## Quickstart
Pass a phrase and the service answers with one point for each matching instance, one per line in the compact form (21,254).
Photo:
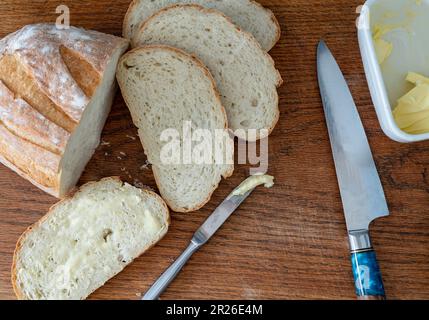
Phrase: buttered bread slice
(87,239)
(245,75)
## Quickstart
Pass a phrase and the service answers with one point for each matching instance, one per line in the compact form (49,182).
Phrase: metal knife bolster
(359,241)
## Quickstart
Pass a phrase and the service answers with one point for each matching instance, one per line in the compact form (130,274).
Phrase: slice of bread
(245,75)
(87,239)
(166,88)
(247,14)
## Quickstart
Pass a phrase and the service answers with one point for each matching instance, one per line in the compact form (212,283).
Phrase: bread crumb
(127,172)
(146,165)
(105,143)
(131,137)
(123,154)
(119,158)
(138,184)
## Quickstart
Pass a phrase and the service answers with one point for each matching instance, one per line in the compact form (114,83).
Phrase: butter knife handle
(170,274)
(367,275)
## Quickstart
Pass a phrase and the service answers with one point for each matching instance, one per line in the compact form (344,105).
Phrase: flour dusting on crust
(38,47)
(17,115)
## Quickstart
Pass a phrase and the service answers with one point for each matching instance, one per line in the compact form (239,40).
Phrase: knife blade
(219,216)
(361,190)
(203,234)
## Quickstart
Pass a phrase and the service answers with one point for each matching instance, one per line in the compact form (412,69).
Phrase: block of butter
(412,111)
(383,48)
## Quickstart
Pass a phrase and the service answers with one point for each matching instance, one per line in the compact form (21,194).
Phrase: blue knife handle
(367,275)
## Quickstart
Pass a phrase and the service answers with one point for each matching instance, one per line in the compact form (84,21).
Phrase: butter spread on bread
(56,90)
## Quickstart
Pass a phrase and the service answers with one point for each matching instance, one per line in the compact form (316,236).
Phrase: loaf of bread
(87,239)
(166,89)
(245,74)
(56,90)
(247,14)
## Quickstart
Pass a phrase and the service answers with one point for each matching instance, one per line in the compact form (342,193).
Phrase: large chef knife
(361,190)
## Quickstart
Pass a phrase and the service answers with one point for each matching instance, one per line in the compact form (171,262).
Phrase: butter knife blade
(219,216)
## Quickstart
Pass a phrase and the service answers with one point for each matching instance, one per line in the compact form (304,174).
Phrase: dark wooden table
(289,242)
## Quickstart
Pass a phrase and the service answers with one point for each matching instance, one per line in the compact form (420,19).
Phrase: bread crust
(199,64)
(36,44)
(246,34)
(53,191)
(273,19)
(126,30)
(19,294)
(37,62)
(126,23)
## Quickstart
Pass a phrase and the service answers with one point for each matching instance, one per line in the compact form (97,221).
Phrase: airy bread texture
(87,239)
(56,90)
(245,75)
(164,88)
(248,15)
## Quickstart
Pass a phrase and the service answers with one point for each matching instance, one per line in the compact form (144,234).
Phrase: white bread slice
(87,239)
(245,75)
(56,89)
(164,88)
(247,14)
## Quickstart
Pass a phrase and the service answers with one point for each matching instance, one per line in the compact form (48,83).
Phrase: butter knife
(203,234)
(360,186)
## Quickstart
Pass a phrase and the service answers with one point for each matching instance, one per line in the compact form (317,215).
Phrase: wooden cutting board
(289,242)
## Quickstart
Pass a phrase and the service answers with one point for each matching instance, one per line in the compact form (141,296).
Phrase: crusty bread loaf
(56,89)
(245,75)
(87,239)
(164,88)
(247,14)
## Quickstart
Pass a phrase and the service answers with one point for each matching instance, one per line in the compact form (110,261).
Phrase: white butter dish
(408,22)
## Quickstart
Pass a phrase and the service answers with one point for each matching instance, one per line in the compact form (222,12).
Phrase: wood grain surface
(289,242)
